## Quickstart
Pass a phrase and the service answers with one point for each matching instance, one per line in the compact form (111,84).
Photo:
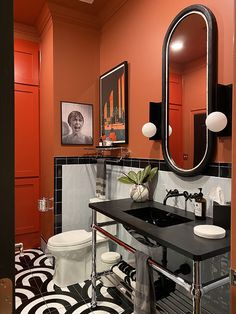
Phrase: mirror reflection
(187,81)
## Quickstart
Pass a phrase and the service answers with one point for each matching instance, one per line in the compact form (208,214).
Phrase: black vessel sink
(157,217)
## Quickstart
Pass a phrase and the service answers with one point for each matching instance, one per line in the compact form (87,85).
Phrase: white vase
(139,193)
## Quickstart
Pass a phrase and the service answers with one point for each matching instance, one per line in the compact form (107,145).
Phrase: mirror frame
(211,86)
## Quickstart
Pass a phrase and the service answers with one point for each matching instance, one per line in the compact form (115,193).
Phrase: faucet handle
(186,194)
(175,191)
(168,192)
(172,192)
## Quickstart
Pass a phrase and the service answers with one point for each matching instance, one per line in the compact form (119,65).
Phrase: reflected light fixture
(216,121)
(170,130)
(177,45)
(149,129)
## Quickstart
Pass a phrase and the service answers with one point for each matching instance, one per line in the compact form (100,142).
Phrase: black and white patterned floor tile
(35,292)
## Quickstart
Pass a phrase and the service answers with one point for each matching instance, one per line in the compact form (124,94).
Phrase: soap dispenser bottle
(200,206)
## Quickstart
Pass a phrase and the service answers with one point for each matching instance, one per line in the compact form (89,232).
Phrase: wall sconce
(155,119)
(149,129)
(152,129)
(216,121)
(220,120)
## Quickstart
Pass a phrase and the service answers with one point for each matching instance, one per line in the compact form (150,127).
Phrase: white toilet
(73,253)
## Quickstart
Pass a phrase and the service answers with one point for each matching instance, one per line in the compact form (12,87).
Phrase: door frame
(7,226)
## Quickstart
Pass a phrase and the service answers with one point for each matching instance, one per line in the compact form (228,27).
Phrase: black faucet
(175,193)
(171,193)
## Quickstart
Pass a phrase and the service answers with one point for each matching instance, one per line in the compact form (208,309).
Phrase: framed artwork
(76,123)
(114,104)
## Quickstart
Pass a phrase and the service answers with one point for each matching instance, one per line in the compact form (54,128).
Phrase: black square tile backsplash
(135,163)
(215,169)
(225,170)
(212,170)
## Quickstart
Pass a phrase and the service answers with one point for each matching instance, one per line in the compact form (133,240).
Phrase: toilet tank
(102,218)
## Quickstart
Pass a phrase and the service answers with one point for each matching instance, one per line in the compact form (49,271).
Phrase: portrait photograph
(76,123)
(114,104)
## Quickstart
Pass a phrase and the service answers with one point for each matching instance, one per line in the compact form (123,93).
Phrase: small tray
(209,231)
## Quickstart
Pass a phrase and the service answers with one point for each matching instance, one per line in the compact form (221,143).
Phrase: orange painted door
(175,93)
(26,131)
(175,139)
(176,119)
(26,212)
(26,143)
(26,58)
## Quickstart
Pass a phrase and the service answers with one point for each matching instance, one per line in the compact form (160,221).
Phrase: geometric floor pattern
(35,292)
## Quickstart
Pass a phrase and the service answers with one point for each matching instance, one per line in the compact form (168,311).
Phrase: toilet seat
(72,240)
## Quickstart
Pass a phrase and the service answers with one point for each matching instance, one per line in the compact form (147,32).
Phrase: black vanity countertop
(178,237)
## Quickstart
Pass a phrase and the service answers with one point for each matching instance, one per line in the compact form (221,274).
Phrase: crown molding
(26,32)
(44,20)
(53,12)
(67,15)
(62,13)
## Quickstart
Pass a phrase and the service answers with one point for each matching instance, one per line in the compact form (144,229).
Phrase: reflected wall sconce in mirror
(220,120)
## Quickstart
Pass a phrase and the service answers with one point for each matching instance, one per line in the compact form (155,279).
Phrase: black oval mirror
(189,89)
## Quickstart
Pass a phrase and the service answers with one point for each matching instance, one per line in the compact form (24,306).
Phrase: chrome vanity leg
(196,287)
(94,272)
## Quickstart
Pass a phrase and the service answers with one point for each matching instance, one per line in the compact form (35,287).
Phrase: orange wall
(70,71)
(46,126)
(135,33)
(46,111)
(76,72)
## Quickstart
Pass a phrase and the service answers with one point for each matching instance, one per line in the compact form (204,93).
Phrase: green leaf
(133,176)
(139,177)
(142,176)
(145,173)
(125,180)
(152,174)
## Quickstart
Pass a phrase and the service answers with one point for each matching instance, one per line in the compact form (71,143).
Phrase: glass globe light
(216,121)
(149,129)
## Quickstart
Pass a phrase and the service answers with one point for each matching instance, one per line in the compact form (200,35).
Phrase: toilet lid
(70,238)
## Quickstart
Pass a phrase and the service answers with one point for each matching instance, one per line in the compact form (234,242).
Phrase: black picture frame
(76,123)
(113,91)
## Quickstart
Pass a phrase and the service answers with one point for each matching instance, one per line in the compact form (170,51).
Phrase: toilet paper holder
(45,204)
